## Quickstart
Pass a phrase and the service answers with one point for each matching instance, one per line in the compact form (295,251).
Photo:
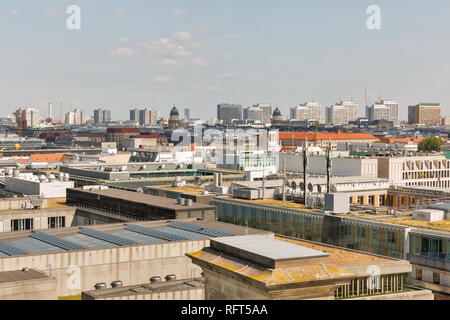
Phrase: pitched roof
(325,136)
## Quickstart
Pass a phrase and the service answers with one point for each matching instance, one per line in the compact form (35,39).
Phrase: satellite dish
(319,188)
(310,187)
(287,184)
(293,185)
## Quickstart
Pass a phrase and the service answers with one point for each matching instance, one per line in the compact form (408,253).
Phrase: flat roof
(12,244)
(165,286)
(21,275)
(269,248)
(147,199)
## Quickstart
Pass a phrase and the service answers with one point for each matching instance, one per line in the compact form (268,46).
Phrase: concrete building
(425,114)
(384,110)
(323,140)
(428,171)
(171,289)
(134,115)
(134,204)
(147,117)
(228,112)
(107,253)
(342,166)
(119,135)
(30,117)
(263,268)
(342,112)
(254,114)
(102,116)
(43,186)
(187,114)
(267,111)
(27,284)
(76,117)
(307,111)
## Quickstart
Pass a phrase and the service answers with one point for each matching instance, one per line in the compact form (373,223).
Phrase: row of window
(28,224)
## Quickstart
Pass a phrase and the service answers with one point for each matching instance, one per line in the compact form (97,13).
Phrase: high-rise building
(267,111)
(384,110)
(425,114)
(342,112)
(147,117)
(30,117)
(254,114)
(134,115)
(187,114)
(307,111)
(227,112)
(102,116)
(76,117)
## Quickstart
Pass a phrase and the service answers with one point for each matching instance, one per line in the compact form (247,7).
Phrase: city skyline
(200,55)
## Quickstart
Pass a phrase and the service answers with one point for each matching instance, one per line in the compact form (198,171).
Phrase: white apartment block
(427,171)
(342,112)
(307,111)
(30,117)
(384,110)
(76,117)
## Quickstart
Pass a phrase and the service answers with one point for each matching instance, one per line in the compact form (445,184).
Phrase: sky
(199,53)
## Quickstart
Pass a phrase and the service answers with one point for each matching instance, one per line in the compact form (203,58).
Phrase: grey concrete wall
(188,295)
(42,289)
(39,216)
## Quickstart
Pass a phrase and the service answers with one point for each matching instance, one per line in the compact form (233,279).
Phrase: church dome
(174,112)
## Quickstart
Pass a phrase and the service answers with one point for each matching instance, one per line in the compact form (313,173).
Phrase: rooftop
(21,275)
(14,244)
(154,201)
(325,136)
(149,288)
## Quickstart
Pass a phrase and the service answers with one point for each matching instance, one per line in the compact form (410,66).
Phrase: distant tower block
(49,110)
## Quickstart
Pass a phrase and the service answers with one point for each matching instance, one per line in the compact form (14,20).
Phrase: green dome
(277,113)
(174,112)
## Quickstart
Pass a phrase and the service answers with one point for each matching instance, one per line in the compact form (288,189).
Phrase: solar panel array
(138,237)
(155,233)
(35,246)
(10,250)
(57,242)
(184,233)
(107,237)
(89,242)
(199,229)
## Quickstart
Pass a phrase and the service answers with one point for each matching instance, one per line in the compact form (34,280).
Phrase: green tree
(430,144)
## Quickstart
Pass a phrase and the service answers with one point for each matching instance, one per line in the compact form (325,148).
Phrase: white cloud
(119,11)
(182,35)
(179,13)
(161,79)
(200,62)
(122,52)
(226,75)
(14,13)
(167,62)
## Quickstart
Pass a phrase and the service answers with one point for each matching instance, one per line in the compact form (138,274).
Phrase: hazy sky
(199,53)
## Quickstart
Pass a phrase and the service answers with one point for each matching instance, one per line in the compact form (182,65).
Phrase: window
(56,222)
(22,224)
(436,278)
(418,274)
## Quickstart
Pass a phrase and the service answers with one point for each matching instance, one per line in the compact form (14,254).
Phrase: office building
(425,114)
(228,112)
(254,114)
(307,111)
(267,111)
(147,117)
(102,116)
(134,115)
(76,117)
(342,112)
(187,114)
(29,117)
(384,110)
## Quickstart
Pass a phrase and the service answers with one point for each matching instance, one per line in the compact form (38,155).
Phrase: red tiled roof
(325,136)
